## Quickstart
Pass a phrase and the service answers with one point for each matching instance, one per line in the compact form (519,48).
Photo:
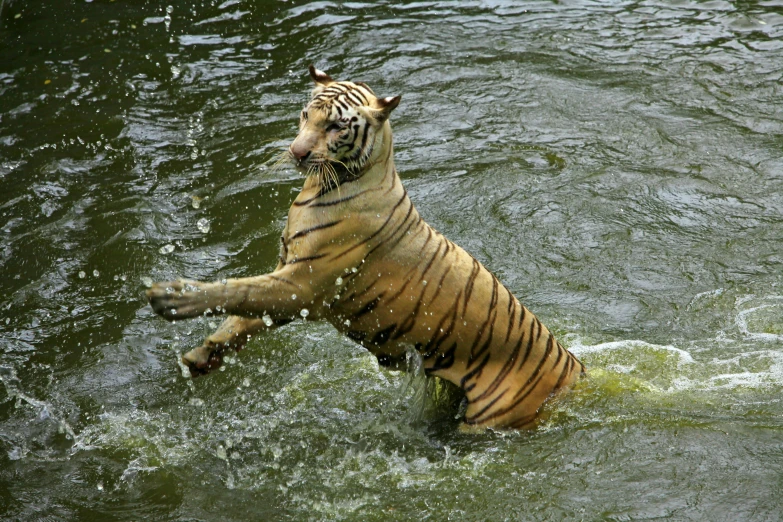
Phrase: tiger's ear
(385,106)
(319,77)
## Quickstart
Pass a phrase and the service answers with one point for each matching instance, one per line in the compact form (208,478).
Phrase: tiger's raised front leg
(276,297)
(232,334)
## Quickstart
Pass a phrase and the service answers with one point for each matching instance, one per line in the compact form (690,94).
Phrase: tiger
(356,253)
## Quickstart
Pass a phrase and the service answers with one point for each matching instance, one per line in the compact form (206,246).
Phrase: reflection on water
(618,167)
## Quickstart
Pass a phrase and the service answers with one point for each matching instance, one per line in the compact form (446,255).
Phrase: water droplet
(293,296)
(96,273)
(347,322)
(339,281)
(146,281)
(82,274)
(100,486)
(169,9)
(304,312)
(246,382)
(166,249)
(203,225)
(195,201)
(354,270)
(267,320)
(424,283)
(221,453)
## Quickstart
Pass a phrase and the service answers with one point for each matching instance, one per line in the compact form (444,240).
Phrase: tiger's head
(341,130)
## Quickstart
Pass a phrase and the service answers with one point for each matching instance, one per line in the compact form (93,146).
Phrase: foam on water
(765,313)
(704,365)
(579,349)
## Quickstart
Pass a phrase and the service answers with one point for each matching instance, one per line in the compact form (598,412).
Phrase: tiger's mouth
(329,173)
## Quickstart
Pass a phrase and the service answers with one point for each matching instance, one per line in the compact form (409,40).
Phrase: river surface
(618,165)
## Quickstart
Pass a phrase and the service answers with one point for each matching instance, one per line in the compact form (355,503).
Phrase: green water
(618,165)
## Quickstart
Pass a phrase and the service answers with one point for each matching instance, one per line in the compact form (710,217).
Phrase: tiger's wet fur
(356,253)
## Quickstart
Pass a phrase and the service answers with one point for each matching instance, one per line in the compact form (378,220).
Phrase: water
(619,167)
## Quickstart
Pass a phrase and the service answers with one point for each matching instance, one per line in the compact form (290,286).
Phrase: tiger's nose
(298,153)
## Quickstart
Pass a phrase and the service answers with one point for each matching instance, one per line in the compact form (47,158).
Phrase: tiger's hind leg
(232,334)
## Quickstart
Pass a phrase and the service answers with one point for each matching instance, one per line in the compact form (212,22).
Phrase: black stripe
(444,360)
(364,291)
(507,409)
(469,287)
(303,233)
(340,103)
(362,85)
(487,407)
(409,322)
(503,373)
(358,92)
(440,284)
(380,229)
(475,372)
(364,135)
(338,201)
(512,310)
(385,243)
(440,335)
(403,287)
(408,277)
(448,248)
(567,367)
(510,299)
(351,96)
(390,246)
(492,314)
(383,336)
(540,329)
(303,259)
(429,265)
(367,308)
(550,343)
(530,341)
(334,90)
(426,241)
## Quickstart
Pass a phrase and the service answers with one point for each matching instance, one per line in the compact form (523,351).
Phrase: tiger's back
(361,257)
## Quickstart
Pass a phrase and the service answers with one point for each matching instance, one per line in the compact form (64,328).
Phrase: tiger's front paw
(179,299)
(204,359)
